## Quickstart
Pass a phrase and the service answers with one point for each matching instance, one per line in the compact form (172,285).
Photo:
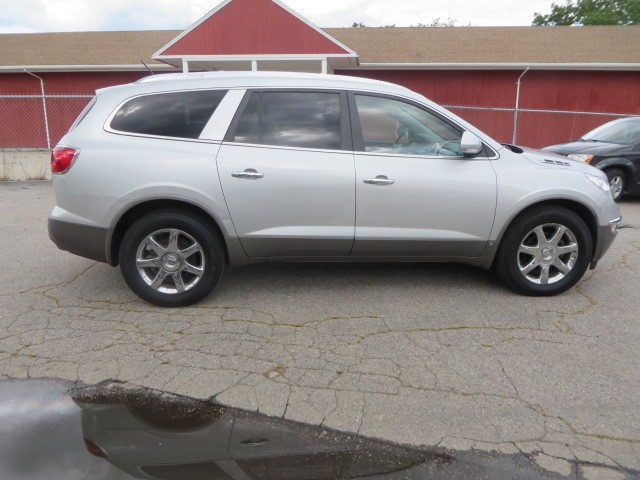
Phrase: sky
(23,16)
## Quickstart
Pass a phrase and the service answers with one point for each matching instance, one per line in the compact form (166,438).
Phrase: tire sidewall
(508,256)
(211,246)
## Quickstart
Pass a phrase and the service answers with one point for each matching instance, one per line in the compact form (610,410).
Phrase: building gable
(252,27)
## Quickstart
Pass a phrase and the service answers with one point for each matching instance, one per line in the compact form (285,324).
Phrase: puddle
(52,431)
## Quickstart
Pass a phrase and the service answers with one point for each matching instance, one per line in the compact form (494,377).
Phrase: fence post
(44,107)
(515,113)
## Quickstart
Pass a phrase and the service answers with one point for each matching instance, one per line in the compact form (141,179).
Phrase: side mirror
(470,145)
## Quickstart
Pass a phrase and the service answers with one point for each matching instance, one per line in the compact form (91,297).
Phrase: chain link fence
(533,128)
(36,121)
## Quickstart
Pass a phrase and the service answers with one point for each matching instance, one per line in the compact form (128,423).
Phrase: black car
(613,148)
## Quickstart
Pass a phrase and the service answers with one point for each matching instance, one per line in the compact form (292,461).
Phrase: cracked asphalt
(436,355)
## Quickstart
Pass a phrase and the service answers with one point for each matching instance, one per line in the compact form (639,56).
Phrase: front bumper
(606,236)
(83,240)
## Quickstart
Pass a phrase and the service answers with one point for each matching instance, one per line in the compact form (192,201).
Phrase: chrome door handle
(379,180)
(248,173)
(253,442)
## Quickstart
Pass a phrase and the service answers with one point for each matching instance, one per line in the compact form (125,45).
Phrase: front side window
(176,114)
(291,119)
(397,127)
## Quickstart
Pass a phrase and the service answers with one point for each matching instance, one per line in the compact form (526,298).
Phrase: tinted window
(179,114)
(301,119)
(393,126)
(248,129)
(314,466)
(295,119)
(208,470)
(364,463)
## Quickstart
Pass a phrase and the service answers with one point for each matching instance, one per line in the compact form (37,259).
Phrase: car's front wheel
(617,182)
(171,258)
(545,251)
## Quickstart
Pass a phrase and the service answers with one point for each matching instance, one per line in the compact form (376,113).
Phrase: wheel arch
(133,212)
(627,166)
(580,209)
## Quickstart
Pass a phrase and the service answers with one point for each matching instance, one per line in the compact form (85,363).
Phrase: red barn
(533,85)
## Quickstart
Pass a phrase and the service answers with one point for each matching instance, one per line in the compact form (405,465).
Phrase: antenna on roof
(147,67)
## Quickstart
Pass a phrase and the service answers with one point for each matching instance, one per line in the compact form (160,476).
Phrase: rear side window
(248,129)
(292,119)
(176,114)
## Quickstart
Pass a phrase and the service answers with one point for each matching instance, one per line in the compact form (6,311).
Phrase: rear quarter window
(175,114)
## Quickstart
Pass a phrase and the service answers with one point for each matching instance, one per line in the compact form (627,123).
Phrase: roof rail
(176,76)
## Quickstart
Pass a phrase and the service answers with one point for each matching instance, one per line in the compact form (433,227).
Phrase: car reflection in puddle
(150,437)
(49,431)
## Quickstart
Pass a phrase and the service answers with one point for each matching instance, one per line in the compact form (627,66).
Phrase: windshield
(625,131)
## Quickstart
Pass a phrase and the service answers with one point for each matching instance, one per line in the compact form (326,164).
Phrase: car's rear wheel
(545,251)
(617,182)
(171,258)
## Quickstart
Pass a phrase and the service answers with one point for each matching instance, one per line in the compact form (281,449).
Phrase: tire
(171,258)
(617,182)
(530,247)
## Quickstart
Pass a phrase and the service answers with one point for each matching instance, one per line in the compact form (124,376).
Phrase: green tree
(449,22)
(591,12)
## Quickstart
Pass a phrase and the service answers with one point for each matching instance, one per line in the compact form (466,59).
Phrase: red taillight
(61,159)
(94,449)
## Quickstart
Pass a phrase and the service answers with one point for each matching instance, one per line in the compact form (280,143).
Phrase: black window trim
(346,142)
(107,124)
(358,138)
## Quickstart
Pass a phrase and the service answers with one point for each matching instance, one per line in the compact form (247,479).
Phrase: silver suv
(178,175)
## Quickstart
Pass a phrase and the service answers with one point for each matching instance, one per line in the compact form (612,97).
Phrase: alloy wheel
(547,254)
(617,185)
(170,261)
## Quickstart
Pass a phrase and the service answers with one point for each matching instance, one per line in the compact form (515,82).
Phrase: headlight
(600,183)
(580,157)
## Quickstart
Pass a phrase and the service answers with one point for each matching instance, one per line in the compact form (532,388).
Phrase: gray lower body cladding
(604,240)
(91,242)
(83,240)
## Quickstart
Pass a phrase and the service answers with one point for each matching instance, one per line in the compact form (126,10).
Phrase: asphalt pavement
(435,355)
